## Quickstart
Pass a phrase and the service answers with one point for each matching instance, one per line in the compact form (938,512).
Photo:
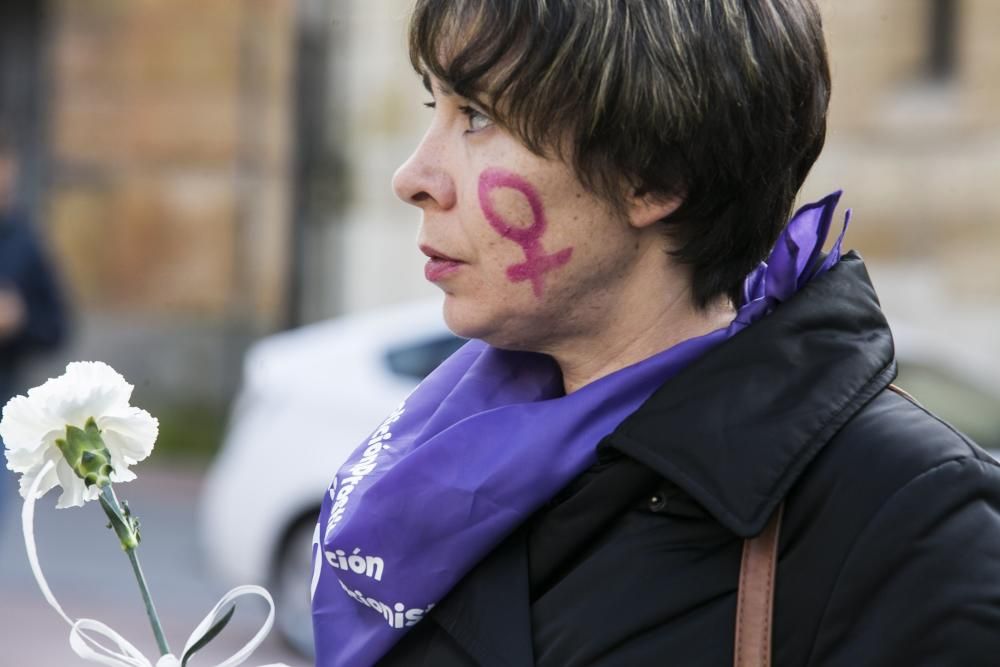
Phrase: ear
(645,210)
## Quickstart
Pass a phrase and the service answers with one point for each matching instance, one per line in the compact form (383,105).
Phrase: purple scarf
(474,450)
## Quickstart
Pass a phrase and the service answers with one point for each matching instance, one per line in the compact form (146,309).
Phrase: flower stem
(154,620)
(117,517)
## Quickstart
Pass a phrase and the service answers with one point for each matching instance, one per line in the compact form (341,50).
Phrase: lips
(439,265)
(436,254)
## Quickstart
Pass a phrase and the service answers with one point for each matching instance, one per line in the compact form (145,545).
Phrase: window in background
(942,40)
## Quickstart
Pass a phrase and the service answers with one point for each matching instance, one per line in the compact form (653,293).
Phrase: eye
(431,105)
(477,119)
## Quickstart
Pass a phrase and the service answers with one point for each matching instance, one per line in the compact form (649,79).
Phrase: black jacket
(890,540)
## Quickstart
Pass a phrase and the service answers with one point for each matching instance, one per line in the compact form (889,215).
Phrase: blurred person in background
(670,385)
(32,309)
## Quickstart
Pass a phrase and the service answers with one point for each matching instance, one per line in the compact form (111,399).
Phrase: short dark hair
(720,102)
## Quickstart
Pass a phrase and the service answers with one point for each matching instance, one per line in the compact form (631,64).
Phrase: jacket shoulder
(924,549)
(891,441)
(896,491)
(886,445)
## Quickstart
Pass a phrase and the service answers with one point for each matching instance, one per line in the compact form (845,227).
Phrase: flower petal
(48,482)
(21,460)
(19,427)
(87,389)
(75,492)
(121,473)
(98,379)
(129,433)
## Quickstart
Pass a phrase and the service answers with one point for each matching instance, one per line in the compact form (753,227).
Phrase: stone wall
(918,158)
(169,204)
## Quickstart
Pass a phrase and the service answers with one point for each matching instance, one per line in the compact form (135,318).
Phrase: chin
(471,318)
(482,321)
(465,319)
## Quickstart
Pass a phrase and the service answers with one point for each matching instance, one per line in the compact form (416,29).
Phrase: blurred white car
(310,396)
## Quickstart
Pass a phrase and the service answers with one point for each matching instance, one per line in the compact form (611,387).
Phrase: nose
(424,179)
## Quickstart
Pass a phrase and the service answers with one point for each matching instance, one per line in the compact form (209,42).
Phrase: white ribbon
(126,654)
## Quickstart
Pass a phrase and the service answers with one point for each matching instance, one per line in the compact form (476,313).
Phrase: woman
(600,184)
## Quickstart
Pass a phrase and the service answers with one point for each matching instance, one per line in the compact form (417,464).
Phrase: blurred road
(91,577)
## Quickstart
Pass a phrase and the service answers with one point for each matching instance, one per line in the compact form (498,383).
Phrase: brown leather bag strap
(755,599)
(905,394)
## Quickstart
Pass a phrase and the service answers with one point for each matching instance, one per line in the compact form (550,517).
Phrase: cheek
(508,213)
(514,211)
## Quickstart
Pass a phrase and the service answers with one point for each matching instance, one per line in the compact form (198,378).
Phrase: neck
(585,361)
(630,326)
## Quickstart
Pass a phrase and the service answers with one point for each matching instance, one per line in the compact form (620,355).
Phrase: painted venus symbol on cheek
(536,262)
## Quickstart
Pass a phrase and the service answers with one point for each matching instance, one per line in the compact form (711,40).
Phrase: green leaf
(208,636)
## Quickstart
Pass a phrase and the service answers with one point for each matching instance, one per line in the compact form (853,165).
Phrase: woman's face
(524,253)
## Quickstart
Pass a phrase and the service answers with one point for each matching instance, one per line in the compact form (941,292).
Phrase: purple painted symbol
(536,262)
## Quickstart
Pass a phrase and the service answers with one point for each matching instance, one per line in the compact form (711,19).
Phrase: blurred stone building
(208,172)
(156,138)
(915,140)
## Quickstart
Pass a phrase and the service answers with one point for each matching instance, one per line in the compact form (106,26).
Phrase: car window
(972,410)
(417,360)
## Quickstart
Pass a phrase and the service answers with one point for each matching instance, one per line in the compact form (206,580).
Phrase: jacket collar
(736,428)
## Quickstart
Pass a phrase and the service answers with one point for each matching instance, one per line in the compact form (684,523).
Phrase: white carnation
(31,424)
